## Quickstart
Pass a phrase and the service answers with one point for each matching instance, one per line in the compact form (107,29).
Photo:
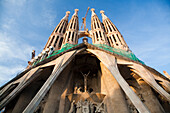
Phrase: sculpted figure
(79,107)
(100,108)
(86,107)
(72,109)
(85,81)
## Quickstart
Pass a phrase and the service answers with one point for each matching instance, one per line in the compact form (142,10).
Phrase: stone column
(57,89)
(147,95)
(26,96)
(114,95)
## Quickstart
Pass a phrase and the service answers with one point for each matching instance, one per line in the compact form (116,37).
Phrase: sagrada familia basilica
(102,77)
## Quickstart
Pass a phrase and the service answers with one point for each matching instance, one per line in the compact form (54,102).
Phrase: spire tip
(92,9)
(67,13)
(102,12)
(76,10)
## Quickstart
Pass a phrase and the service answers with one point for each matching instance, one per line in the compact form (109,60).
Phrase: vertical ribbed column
(56,38)
(115,38)
(71,35)
(98,34)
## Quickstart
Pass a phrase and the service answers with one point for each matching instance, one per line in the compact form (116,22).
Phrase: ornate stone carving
(87,106)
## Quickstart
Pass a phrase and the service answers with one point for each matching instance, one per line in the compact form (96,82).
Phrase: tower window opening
(100,35)
(72,37)
(108,40)
(56,41)
(76,38)
(65,37)
(112,26)
(94,37)
(111,39)
(94,24)
(71,23)
(104,27)
(61,40)
(69,36)
(74,24)
(97,24)
(98,21)
(64,29)
(119,38)
(51,41)
(61,27)
(97,36)
(109,26)
(114,38)
(58,27)
(77,24)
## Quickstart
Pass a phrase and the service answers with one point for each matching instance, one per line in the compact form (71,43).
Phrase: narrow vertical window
(94,24)
(97,36)
(111,39)
(60,43)
(64,28)
(100,35)
(72,37)
(56,41)
(109,26)
(71,23)
(119,39)
(108,41)
(94,37)
(58,27)
(69,36)
(51,41)
(61,27)
(97,24)
(114,38)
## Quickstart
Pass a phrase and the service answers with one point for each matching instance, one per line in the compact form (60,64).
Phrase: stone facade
(68,77)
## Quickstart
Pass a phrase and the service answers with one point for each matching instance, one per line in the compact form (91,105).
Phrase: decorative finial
(92,9)
(93,13)
(76,10)
(103,15)
(67,13)
(102,12)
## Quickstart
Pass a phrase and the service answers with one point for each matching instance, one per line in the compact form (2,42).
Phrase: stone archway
(82,34)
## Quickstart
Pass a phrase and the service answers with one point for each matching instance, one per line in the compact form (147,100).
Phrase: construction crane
(84,20)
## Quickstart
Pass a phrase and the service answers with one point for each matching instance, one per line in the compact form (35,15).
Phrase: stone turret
(56,38)
(71,35)
(115,38)
(98,34)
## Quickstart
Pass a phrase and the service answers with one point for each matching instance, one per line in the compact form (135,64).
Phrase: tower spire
(71,35)
(115,38)
(98,34)
(56,38)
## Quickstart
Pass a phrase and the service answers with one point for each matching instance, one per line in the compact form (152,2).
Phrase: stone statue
(87,107)
(79,107)
(100,108)
(85,80)
(72,109)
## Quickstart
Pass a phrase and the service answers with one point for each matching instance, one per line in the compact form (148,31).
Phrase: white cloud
(14,55)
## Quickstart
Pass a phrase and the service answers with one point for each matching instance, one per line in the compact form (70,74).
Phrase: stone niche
(85,89)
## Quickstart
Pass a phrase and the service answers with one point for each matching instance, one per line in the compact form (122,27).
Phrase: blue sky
(26,25)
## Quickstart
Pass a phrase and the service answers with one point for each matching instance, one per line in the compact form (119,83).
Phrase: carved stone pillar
(57,89)
(149,99)
(114,95)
